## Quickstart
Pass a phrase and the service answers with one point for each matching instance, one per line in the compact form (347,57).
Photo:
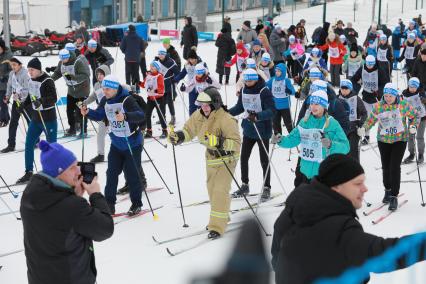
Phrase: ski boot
(213,235)
(244,190)
(393,203)
(148,133)
(25,178)
(387,196)
(163,134)
(409,159)
(420,159)
(123,190)
(134,209)
(8,149)
(98,159)
(365,141)
(70,132)
(266,194)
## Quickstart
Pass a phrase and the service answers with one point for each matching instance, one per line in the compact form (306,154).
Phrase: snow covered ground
(131,256)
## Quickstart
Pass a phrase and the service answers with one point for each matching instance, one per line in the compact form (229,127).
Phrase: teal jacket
(333,131)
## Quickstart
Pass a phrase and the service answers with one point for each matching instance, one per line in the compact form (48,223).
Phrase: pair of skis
(385,215)
(123,217)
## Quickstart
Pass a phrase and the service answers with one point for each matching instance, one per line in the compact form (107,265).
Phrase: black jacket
(419,70)
(226,49)
(367,97)
(58,231)
(361,112)
(351,35)
(317,235)
(100,57)
(174,55)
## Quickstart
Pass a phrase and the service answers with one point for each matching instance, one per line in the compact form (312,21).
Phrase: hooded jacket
(59,228)
(169,69)
(81,78)
(281,103)
(239,58)
(264,117)
(226,49)
(318,235)
(100,57)
(189,35)
(277,45)
(97,87)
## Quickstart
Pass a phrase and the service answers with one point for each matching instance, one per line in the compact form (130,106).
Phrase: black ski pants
(391,156)
(286,115)
(246,149)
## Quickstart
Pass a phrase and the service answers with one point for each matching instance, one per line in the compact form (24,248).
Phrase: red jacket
(335,52)
(154,83)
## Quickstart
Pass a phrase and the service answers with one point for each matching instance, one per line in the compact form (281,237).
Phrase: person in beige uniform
(218,131)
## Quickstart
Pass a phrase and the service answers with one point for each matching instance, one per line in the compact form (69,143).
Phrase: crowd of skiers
(343,89)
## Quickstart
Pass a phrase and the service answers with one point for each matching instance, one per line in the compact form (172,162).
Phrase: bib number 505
(308,153)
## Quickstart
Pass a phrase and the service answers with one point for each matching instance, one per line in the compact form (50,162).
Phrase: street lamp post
(324,11)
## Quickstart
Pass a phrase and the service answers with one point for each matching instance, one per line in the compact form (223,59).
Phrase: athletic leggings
(391,156)
(246,149)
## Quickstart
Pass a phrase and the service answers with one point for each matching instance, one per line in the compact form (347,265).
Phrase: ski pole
(186,109)
(14,194)
(245,197)
(158,172)
(226,93)
(159,111)
(10,209)
(82,138)
(418,170)
(41,117)
(155,216)
(185,225)
(159,142)
(269,161)
(59,114)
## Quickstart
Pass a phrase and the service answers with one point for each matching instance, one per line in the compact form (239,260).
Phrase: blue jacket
(134,116)
(132,46)
(264,118)
(183,73)
(321,62)
(172,71)
(396,39)
(282,103)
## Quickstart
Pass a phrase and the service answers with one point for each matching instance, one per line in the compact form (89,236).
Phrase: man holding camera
(59,224)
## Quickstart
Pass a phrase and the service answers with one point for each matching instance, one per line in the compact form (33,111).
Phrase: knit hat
(132,28)
(70,46)
(166,40)
(315,51)
(16,60)
(156,65)
(315,73)
(319,98)
(345,83)
(370,60)
(34,63)
(64,54)
(412,22)
(318,85)
(247,46)
(414,82)
(412,36)
(278,27)
(200,69)
(54,158)
(250,75)
(256,42)
(111,82)
(338,169)
(92,44)
(240,45)
(247,24)
(266,57)
(354,47)
(390,89)
(251,63)
(192,54)
(383,37)
(162,51)
(292,39)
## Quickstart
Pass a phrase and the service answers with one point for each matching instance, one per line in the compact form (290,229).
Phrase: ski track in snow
(140,259)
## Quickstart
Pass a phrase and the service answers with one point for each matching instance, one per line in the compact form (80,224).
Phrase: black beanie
(132,28)
(192,54)
(16,60)
(337,169)
(34,63)
(354,47)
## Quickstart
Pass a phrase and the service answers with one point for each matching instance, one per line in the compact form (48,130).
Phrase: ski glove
(176,138)
(413,130)
(360,131)
(209,80)
(326,142)
(182,88)
(275,139)
(252,116)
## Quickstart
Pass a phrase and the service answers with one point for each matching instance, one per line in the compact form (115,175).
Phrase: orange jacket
(334,48)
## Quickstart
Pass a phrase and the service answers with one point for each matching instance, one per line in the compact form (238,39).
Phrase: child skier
(257,104)
(315,60)
(154,85)
(318,134)
(265,68)
(239,58)
(96,96)
(416,96)
(385,58)
(409,53)
(336,51)
(281,89)
(201,81)
(295,57)
(353,62)
(392,136)
(357,116)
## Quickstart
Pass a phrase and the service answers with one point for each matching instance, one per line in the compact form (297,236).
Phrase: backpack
(316,34)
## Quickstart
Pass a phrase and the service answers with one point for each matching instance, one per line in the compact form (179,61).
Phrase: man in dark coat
(318,234)
(189,37)
(97,55)
(226,49)
(132,46)
(351,34)
(227,25)
(59,224)
(419,67)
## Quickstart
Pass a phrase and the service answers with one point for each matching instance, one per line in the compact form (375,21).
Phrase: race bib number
(391,122)
(311,147)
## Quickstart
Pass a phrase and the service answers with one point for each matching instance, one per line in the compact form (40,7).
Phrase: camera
(87,171)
